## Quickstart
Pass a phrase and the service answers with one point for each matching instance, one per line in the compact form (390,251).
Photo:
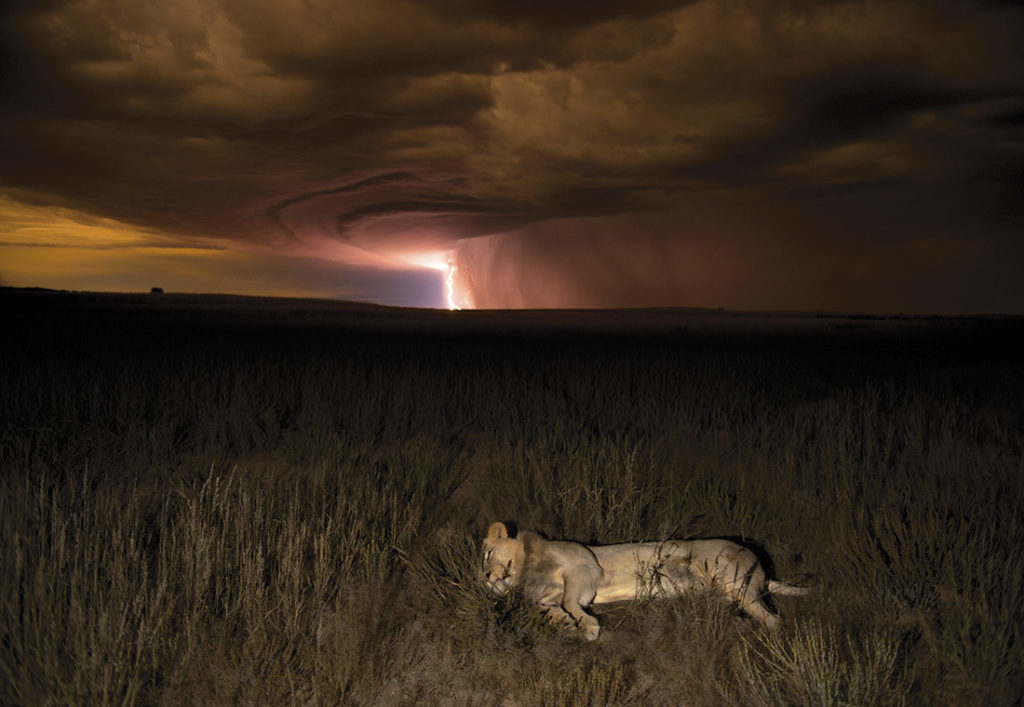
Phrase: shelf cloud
(758,155)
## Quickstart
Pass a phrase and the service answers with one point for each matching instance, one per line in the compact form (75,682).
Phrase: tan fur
(564,577)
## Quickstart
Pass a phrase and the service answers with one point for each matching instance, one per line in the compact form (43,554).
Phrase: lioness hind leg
(748,591)
(758,611)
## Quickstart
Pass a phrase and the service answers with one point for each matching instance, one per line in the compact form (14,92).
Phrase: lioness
(565,577)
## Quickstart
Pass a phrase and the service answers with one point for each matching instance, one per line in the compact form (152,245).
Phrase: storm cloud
(755,155)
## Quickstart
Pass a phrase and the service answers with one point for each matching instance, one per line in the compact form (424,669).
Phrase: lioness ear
(497,531)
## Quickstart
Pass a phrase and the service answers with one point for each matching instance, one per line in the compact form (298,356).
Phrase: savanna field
(226,500)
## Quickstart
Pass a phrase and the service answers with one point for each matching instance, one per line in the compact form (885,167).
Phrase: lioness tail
(783,589)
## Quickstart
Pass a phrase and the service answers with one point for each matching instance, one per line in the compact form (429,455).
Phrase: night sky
(843,156)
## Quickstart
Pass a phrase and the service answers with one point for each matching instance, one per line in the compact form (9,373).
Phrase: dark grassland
(229,501)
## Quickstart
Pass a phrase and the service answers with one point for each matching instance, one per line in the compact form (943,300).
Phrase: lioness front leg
(579,619)
(557,615)
(579,594)
(588,625)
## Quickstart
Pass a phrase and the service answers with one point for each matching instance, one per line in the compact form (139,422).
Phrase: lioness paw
(590,628)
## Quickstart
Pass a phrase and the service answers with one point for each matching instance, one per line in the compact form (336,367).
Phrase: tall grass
(222,509)
(810,665)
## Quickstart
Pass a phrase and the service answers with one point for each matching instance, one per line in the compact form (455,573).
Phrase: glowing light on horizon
(455,296)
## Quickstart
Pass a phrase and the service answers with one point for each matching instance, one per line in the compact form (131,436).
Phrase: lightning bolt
(455,302)
(449,281)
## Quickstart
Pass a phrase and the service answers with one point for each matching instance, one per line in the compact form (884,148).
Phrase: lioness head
(503,559)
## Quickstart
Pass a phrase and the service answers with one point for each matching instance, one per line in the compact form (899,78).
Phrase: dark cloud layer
(843,155)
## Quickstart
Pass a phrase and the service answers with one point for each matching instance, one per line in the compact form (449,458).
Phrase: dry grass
(215,512)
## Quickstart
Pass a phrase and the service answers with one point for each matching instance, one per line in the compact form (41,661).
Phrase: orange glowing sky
(855,156)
